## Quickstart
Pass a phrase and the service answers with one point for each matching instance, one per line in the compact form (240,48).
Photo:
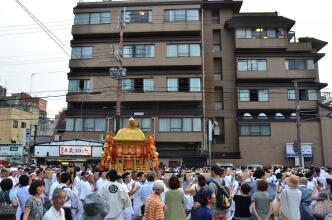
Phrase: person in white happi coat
(136,197)
(84,188)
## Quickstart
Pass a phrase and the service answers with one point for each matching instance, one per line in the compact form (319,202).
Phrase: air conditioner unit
(56,137)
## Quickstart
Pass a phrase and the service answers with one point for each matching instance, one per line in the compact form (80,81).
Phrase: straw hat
(292,181)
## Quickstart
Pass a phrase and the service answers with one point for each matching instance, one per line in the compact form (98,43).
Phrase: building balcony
(261,43)
(179,137)
(278,74)
(110,96)
(303,46)
(89,29)
(276,103)
(106,62)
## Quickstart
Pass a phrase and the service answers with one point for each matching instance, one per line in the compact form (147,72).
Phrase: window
(312,95)
(259,32)
(218,131)
(254,95)
(137,85)
(304,95)
(80,85)
(138,51)
(183,84)
(291,95)
(252,65)
(86,124)
(140,16)
(143,123)
(255,130)
(216,40)
(215,17)
(15,124)
(93,18)
(23,124)
(100,124)
(299,64)
(180,124)
(182,15)
(81,53)
(218,97)
(183,50)
(89,124)
(244,95)
(78,126)
(148,85)
(217,68)
(195,84)
(172,85)
(70,124)
(83,18)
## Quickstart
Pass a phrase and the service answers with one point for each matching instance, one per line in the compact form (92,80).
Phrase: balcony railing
(83,1)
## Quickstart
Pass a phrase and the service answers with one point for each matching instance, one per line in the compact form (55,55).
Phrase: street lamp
(118,74)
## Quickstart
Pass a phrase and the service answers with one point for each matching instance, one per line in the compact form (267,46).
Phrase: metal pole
(298,123)
(119,78)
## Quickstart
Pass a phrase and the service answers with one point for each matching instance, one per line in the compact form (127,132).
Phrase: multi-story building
(193,61)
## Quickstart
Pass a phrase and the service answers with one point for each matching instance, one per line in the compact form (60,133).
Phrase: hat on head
(292,181)
(88,174)
(94,207)
(158,185)
(13,169)
(83,174)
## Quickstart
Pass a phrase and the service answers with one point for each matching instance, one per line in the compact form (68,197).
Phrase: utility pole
(118,73)
(297,143)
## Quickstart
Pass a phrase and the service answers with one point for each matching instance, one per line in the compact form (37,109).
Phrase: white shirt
(147,190)
(53,187)
(53,214)
(137,200)
(84,189)
(14,179)
(290,203)
(311,185)
(100,182)
(116,198)
(48,185)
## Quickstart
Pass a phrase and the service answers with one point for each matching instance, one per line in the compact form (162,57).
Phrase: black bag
(223,197)
(6,209)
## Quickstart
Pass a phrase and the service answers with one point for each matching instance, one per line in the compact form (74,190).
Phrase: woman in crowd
(8,202)
(174,201)
(290,199)
(242,203)
(22,194)
(261,202)
(34,209)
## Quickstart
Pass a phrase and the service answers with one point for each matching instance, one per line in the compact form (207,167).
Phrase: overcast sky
(26,52)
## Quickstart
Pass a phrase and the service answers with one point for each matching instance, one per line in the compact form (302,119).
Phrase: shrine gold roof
(132,133)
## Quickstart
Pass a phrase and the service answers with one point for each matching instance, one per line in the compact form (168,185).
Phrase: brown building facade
(190,62)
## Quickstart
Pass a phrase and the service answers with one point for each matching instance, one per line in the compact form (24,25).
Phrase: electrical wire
(62,46)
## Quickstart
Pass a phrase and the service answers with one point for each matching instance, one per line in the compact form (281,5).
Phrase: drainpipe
(203,82)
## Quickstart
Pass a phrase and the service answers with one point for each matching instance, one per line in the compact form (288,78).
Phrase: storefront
(11,153)
(70,152)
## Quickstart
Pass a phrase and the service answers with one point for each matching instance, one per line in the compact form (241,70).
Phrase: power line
(47,31)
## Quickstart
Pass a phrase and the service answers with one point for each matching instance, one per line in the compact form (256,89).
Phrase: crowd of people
(62,193)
